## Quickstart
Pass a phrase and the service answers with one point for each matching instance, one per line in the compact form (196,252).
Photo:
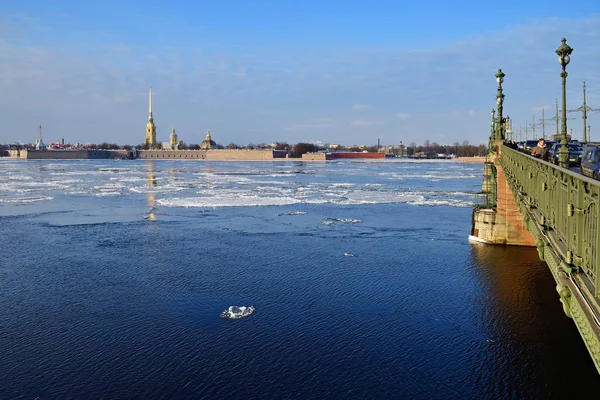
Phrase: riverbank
(470,160)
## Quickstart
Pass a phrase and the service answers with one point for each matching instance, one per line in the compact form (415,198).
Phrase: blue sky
(263,71)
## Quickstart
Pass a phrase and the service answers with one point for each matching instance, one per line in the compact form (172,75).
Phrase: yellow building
(173,140)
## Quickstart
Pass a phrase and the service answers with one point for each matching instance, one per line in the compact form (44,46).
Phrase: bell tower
(173,140)
(150,127)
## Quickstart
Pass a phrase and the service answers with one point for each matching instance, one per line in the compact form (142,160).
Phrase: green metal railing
(564,203)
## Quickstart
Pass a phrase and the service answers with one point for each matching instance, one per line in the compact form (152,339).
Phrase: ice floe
(235,312)
(292,213)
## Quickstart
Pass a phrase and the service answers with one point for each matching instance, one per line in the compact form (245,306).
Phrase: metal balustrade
(564,204)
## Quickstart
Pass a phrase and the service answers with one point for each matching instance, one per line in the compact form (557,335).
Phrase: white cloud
(283,94)
(367,122)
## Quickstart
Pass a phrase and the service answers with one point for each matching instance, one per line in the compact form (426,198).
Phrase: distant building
(39,145)
(173,140)
(208,143)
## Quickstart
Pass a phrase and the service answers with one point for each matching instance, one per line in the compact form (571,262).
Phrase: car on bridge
(575,153)
(527,145)
(590,161)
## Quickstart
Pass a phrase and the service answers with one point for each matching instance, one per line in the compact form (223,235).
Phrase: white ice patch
(226,201)
(117,170)
(104,194)
(373,197)
(430,176)
(342,185)
(23,187)
(159,189)
(109,187)
(292,213)
(345,220)
(128,179)
(30,199)
(447,202)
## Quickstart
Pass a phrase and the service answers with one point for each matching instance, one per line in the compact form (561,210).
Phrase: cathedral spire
(150,127)
(150,102)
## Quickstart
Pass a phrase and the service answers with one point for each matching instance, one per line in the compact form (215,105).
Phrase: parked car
(590,161)
(529,144)
(575,152)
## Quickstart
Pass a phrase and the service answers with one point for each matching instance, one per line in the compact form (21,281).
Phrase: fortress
(155,151)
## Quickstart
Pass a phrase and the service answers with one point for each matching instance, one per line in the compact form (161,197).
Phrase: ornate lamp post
(500,99)
(564,51)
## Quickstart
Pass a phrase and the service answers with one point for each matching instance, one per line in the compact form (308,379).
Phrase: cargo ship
(336,155)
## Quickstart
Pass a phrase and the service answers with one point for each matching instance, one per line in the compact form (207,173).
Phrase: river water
(113,275)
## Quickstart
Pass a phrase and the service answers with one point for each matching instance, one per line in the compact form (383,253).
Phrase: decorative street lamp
(564,51)
(500,99)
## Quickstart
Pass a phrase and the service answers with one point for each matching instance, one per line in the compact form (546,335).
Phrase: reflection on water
(151,196)
(520,310)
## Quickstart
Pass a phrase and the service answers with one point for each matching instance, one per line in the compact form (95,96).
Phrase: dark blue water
(113,276)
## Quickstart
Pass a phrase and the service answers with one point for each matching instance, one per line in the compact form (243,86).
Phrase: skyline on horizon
(269,72)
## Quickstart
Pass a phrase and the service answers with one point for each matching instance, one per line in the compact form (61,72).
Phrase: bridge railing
(564,203)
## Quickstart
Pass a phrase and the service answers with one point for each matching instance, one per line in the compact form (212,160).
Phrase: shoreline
(471,160)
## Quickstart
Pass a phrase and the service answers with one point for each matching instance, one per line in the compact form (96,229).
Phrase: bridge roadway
(559,214)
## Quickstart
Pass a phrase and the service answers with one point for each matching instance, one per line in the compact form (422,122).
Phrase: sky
(345,72)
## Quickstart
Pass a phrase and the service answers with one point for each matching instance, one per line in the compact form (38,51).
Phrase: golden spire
(150,101)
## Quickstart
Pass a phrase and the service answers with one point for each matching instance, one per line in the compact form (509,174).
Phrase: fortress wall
(117,153)
(314,157)
(54,154)
(218,155)
(64,154)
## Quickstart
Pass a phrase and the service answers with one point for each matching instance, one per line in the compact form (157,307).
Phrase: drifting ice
(235,312)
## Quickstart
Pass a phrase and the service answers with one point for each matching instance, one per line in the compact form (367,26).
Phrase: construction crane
(584,109)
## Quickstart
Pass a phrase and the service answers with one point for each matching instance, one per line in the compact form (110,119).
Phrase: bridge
(530,202)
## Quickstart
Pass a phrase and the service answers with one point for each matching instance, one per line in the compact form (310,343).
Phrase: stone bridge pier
(499,221)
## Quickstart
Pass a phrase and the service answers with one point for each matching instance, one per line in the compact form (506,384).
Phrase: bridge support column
(500,222)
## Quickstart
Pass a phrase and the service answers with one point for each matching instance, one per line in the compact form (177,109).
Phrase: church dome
(208,143)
